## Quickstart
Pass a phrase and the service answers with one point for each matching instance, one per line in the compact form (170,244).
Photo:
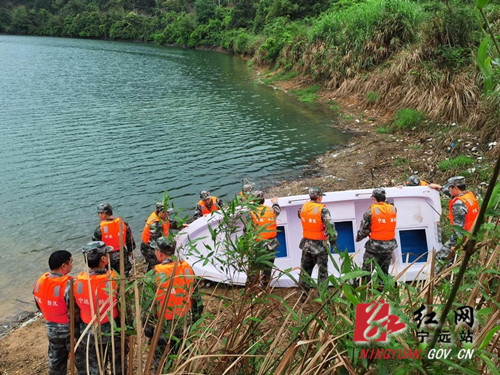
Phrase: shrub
(407,118)
(457,163)
(372,97)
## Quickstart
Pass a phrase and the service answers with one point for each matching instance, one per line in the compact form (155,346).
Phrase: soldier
(207,204)
(108,231)
(464,209)
(92,292)
(379,222)
(264,220)
(318,232)
(184,297)
(245,192)
(51,293)
(159,223)
(415,180)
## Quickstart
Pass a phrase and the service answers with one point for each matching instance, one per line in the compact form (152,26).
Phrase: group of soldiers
(95,290)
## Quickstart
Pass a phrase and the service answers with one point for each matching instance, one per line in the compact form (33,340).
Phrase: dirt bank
(372,159)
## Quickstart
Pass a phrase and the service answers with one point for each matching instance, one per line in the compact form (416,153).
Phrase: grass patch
(308,94)
(384,130)
(372,97)
(334,107)
(459,162)
(400,161)
(348,117)
(285,75)
(407,119)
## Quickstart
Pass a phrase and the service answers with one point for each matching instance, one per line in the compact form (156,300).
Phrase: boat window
(345,238)
(414,243)
(281,251)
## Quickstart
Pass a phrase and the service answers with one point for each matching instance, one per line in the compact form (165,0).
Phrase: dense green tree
(243,13)
(205,10)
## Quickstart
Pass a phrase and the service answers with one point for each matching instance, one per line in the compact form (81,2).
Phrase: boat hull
(417,235)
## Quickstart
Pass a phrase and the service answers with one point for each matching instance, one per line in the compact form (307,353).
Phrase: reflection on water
(89,121)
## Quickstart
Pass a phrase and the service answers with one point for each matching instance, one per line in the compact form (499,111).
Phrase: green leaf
(480,4)
(490,364)
(354,275)
(488,337)
(351,297)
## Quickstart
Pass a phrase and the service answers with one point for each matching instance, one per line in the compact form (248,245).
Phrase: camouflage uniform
(270,245)
(156,230)
(88,344)
(198,210)
(459,211)
(59,339)
(316,252)
(379,250)
(114,257)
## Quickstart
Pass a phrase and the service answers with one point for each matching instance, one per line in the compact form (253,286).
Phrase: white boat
(417,235)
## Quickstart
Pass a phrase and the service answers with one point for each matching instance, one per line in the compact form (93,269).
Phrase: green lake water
(86,121)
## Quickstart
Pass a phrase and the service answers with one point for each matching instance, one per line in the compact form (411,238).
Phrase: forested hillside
(391,54)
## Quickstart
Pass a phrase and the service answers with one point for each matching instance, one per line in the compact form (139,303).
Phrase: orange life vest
(470,202)
(110,233)
(265,218)
(179,301)
(205,210)
(383,222)
(423,183)
(49,294)
(153,218)
(312,225)
(100,286)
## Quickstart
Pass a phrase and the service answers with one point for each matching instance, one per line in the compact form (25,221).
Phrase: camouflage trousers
(149,255)
(311,257)
(59,349)
(114,260)
(383,259)
(104,344)
(264,272)
(172,334)
(443,254)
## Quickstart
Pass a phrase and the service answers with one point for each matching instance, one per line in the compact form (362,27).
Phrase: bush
(372,97)
(407,119)
(457,163)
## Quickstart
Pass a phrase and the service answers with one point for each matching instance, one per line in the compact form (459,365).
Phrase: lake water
(85,121)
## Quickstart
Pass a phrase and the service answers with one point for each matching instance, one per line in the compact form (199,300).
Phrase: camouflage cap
(413,181)
(164,245)
(97,247)
(105,208)
(379,194)
(247,188)
(205,194)
(456,181)
(316,192)
(160,206)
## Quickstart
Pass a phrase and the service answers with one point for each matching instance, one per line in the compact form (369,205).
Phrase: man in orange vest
(264,221)
(379,222)
(463,211)
(183,302)
(108,231)
(95,293)
(318,232)
(414,180)
(206,205)
(52,298)
(158,224)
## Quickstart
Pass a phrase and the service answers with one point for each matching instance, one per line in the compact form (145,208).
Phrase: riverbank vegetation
(390,54)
